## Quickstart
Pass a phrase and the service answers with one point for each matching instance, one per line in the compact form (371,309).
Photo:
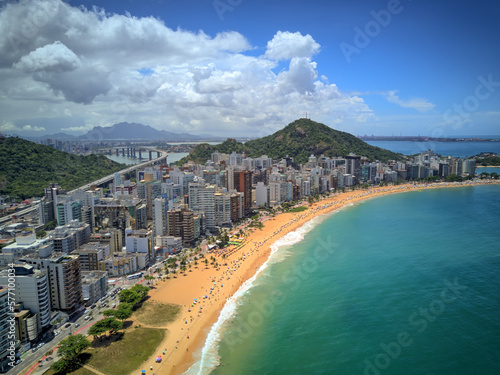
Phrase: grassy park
(122,349)
(157,314)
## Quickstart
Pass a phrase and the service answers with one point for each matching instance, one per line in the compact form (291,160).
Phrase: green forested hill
(26,168)
(299,139)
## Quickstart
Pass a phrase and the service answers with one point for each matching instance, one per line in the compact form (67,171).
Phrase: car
(67,325)
(86,311)
(41,344)
(87,317)
(56,333)
(93,306)
(77,325)
(18,361)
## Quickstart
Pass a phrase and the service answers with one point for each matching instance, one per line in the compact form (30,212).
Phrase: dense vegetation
(489,160)
(299,139)
(27,168)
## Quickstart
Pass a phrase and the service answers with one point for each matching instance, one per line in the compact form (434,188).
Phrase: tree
(96,330)
(105,325)
(64,366)
(51,225)
(72,346)
(113,325)
(123,311)
(41,234)
(141,290)
(128,296)
(109,312)
(134,295)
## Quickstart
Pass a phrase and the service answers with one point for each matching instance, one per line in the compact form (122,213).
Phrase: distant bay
(172,158)
(456,149)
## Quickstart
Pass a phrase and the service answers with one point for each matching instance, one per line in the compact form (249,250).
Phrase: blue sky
(247,68)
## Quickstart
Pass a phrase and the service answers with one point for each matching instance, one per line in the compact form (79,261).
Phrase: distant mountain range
(299,139)
(133,131)
(125,131)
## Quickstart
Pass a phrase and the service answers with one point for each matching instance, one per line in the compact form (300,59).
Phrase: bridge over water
(131,152)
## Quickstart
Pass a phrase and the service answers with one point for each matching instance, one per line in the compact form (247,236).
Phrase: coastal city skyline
(248,68)
(238,187)
(205,219)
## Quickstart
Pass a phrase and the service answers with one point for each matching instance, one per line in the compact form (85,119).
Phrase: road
(110,177)
(30,362)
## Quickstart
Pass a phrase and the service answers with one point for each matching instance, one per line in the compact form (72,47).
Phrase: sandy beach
(186,336)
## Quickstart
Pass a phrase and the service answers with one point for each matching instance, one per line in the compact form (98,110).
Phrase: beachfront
(187,335)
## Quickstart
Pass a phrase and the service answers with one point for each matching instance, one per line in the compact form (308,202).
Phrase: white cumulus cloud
(9,127)
(87,66)
(286,45)
(52,58)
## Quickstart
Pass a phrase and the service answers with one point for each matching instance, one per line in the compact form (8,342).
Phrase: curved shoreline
(187,335)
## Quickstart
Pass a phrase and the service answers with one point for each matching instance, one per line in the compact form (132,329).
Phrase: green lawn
(82,371)
(126,355)
(157,314)
(297,209)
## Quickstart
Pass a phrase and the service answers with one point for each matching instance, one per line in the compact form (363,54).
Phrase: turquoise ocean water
(401,284)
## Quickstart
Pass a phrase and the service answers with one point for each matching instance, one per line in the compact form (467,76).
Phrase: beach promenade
(203,292)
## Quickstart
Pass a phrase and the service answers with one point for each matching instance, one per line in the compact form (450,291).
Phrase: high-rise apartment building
(91,254)
(353,166)
(64,280)
(32,289)
(243,184)
(68,211)
(109,236)
(94,286)
(159,217)
(149,190)
(181,224)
